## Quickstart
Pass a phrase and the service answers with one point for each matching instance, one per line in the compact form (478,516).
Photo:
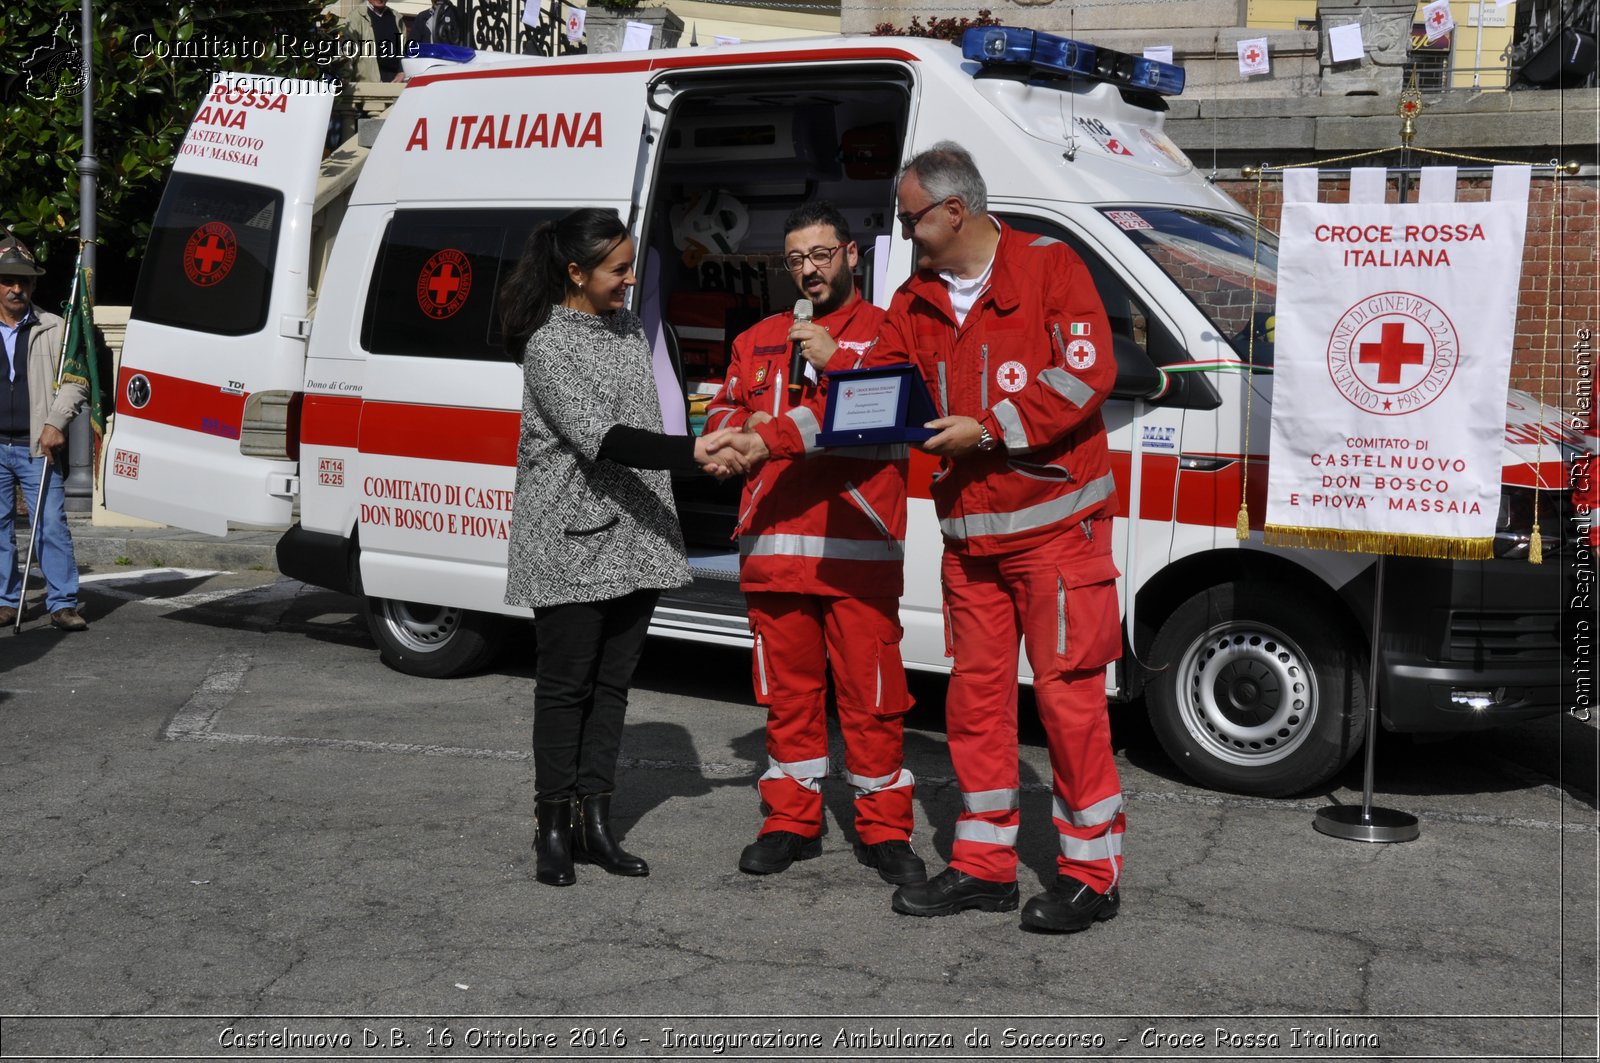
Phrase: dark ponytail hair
(539,280)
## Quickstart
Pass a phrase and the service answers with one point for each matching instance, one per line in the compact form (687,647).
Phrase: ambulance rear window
(437,280)
(208,266)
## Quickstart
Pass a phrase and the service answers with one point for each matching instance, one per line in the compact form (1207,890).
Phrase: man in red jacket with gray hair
(1012,340)
(821,561)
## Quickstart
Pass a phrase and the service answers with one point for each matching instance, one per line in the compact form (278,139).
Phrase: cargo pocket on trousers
(1088,619)
(893,698)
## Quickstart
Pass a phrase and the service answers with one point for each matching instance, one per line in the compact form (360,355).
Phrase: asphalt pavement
(232,833)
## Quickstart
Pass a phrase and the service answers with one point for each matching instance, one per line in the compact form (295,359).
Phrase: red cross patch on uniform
(1011,376)
(1080,354)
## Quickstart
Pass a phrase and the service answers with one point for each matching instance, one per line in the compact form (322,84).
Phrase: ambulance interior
(737,157)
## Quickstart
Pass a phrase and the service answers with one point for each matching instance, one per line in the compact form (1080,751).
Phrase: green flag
(79,363)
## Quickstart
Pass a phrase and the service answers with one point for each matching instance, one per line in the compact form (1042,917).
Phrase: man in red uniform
(1012,340)
(821,559)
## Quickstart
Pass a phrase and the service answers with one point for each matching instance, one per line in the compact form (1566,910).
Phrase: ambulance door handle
(294,328)
(283,485)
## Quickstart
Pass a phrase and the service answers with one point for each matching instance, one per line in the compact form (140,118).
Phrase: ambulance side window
(436,283)
(208,266)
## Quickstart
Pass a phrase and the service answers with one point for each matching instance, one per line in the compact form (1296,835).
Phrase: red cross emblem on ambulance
(444,283)
(210,253)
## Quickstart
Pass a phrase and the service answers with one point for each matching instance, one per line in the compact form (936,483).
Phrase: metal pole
(79,483)
(1368,824)
(1477,58)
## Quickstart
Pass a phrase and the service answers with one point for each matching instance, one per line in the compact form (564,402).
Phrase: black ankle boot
(552,841)
(595,845)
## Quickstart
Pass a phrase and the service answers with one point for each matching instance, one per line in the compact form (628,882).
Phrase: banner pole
(1369,824)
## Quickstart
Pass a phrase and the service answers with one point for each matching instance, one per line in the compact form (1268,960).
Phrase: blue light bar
(998,44)
(1009,46)
(452,53)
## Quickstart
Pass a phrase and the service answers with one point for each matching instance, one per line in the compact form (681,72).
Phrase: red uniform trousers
(1060,598)
(797,637)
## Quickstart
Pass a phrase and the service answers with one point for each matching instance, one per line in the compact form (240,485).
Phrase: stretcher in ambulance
(380,428)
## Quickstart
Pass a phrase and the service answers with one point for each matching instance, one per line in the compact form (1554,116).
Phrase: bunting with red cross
(1394,332)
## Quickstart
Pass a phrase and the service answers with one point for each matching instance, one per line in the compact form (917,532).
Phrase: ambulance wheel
(432,641)
(1257,690)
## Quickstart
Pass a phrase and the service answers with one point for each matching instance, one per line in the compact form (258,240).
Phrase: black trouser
(587,653)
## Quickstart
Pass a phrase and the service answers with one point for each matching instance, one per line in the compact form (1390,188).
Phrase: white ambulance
(386,415)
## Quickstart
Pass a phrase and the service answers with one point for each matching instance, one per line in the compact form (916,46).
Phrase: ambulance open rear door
(214,357)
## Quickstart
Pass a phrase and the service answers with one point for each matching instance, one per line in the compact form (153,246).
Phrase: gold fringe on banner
(1438,546)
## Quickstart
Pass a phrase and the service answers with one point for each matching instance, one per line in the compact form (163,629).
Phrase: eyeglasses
(909,220)
(817,256)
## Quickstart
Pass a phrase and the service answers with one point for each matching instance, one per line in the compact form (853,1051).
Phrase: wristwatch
(986,442)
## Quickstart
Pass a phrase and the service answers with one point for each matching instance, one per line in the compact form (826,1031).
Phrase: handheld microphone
(797,360)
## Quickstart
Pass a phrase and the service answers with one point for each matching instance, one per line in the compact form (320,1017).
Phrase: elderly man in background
(34,415)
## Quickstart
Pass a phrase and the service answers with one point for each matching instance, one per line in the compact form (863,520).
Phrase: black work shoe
(1069,906)
(895,861)
(775,850)
(68,620)
(952,891)
(8,615)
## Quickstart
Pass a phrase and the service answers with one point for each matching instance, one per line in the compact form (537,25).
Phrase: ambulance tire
(432,641)
(1257,689)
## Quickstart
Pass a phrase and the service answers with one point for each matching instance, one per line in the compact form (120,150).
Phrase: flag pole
(79,479)
(44,474)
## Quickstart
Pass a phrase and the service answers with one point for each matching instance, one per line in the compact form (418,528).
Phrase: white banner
(576,17)
(635,37)
(1436,20)
(1395,325)
(1253,57)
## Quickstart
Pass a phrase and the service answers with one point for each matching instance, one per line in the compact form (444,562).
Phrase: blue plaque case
(914,408)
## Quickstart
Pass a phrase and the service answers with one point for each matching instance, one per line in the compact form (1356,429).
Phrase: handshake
(729,452)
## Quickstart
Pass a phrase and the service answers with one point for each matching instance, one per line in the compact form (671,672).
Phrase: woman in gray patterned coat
(594,533)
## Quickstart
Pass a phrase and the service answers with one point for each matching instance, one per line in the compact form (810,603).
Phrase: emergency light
(1001,46)
(453,53)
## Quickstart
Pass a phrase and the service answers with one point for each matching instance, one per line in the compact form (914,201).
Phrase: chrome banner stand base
(1368,824)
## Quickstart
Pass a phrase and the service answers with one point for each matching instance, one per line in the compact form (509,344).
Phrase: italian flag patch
(1080,328)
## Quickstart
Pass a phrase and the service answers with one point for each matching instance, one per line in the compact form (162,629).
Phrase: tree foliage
(153,61)
(944,29)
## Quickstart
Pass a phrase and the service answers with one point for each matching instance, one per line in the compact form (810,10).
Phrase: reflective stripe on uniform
(806,422)
(1086,849)
(990,800)
(1068,386)
(820,546)
(895,780)
(1040,516)
(805,772)
(1093,816)
(1010,421)
(976,830)
(944,393)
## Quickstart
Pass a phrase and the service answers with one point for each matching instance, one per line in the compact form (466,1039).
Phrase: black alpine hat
(16,260)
